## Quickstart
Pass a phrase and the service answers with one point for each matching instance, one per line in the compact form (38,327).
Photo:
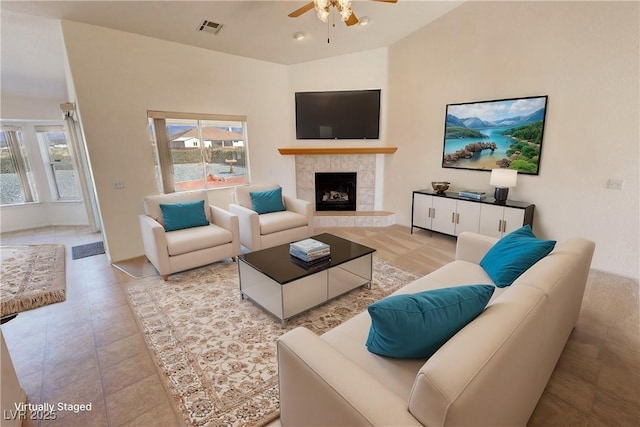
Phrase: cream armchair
(182,249)
(260,231)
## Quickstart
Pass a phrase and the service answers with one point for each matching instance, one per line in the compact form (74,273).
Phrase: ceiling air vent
(210,27)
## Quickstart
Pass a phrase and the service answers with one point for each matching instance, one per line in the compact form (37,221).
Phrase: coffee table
(276,283)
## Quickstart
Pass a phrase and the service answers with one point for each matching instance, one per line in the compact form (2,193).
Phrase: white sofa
(179,250)
(274,228)
(491,373)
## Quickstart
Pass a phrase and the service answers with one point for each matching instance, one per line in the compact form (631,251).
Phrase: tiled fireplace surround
(365,167)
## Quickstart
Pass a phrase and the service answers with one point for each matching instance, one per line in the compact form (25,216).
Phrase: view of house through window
(16,180)
(198,151)
(61,172)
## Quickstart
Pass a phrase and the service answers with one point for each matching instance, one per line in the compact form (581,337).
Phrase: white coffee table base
(290,299)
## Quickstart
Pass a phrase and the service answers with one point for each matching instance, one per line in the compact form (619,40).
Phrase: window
(16,181)
(62,173)
(196,151)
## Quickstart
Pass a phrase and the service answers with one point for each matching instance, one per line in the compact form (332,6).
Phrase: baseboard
(354,219)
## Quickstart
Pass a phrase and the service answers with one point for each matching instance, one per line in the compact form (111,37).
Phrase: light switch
(615,184)
(117,185)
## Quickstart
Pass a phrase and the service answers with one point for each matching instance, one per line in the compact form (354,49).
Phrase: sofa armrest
(319,386)
(228,221)
(155,244)
(249,225)
(302,207)
(472,247)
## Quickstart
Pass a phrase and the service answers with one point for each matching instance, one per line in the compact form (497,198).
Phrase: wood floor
(89,348)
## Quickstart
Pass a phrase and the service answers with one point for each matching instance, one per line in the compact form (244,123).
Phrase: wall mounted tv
(351,114)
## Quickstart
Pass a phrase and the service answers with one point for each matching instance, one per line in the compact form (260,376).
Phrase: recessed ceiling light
(363,21)
(299,35)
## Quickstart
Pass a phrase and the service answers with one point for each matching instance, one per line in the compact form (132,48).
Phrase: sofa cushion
(196,238)
(279,221)
(416,325)
(177,216)
(514,254)
(267,201)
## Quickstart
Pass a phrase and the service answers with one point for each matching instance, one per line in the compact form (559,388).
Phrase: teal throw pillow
(417,325)
(513,255)
(267,201)
(178,216)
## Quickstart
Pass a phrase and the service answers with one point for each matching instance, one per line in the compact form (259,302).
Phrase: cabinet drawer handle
(457,218)
(453,217)
(500,226)
(504,226)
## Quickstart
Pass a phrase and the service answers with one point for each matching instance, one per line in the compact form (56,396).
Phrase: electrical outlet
(117,185)
(615,184)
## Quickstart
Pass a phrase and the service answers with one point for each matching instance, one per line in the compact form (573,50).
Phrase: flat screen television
(504,133)
(351,114)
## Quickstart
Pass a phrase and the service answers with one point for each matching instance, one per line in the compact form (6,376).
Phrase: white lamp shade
(505,178)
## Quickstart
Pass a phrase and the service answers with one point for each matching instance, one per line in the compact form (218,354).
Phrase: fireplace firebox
(336,191)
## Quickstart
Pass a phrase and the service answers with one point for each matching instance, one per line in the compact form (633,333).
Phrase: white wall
(584,56)
(118,77)
(31,108)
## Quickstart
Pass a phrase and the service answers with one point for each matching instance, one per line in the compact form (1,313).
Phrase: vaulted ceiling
(32,50)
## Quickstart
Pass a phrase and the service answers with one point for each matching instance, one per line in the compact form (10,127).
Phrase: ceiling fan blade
(307,7)
(386,1)
(353,20)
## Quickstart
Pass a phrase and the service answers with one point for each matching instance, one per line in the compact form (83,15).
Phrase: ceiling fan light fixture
(323,8)
(345,13)
(323,14)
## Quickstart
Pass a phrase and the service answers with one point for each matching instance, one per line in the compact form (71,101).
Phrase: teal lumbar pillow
(178,216)
(267,201)
(513,255)
(417,325)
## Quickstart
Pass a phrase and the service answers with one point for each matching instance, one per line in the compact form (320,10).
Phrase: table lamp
(503,179)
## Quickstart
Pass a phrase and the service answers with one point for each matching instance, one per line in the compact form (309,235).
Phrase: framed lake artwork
(485,135)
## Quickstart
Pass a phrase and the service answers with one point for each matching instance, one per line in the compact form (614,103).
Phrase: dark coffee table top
(276,263)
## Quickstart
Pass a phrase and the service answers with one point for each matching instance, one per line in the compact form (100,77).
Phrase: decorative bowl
(440,186)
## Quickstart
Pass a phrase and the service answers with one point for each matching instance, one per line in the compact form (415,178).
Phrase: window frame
(163,150)
(54,185)
(14,137)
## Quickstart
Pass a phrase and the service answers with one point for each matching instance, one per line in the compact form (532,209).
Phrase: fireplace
(335,191)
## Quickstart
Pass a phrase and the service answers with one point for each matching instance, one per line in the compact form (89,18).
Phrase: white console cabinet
(450,214)
(499,220)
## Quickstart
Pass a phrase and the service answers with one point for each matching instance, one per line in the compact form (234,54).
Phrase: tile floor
(89,348)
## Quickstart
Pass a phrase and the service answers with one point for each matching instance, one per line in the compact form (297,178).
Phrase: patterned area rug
(32,276)
(218,352)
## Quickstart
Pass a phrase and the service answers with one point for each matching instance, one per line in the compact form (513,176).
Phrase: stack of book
(470,194)
(310,251)
(313,266)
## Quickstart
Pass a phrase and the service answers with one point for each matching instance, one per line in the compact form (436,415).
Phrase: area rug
(87,250)
(217,352)
(32,276)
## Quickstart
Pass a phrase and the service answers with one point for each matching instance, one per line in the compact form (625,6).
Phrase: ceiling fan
(323,9)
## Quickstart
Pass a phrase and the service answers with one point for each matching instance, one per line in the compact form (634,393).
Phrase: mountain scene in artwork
(495,134)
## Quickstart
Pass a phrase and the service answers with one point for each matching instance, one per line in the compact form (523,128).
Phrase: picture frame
(503,133)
